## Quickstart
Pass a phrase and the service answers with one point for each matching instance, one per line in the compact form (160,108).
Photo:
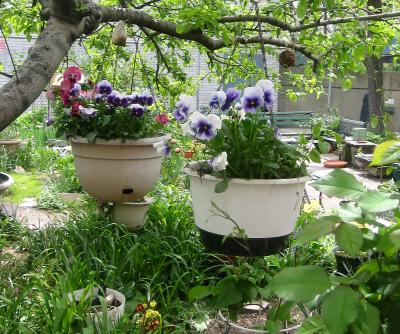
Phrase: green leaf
(312,325)
(349,213)
(329,4)
(273,327)
(349,238)
(394,237)
(91,137)
(301,283)
(302,8)
(340,184)
(324,146)
(368,320)
(315,156)
(373,202)
(386,153)
(340,309)
(314,231)
(347,84)
(374,120)
(338,138)
(316,130)
(199,292)
(221,186)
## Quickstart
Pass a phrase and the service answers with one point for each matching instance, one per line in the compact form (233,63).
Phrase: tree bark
(43,59)
(375,79)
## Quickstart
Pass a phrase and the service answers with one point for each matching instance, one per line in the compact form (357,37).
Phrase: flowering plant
(238,138)
(147,317)
(98,111)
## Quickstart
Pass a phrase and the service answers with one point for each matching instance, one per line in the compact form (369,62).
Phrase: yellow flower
(312,207)
(151,314)
(153,304)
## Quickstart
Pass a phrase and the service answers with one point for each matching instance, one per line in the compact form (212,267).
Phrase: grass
(25,185)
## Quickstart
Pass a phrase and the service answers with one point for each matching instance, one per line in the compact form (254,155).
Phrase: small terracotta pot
(335,164)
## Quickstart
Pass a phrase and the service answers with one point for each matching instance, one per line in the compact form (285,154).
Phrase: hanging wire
(264,59)
(134,61)
(9,52)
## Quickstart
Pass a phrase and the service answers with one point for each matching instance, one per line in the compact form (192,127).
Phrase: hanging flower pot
(117,171)
(116,138)
(265,210)
(131,214)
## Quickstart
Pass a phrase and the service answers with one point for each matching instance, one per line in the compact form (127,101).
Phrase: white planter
(6,181)
(115,170)
(131,214)
(113,314)
(267,210)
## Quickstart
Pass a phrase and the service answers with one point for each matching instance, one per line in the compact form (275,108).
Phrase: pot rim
(10,141)
(127,142)
(8,183)
(189,171)
(147,201)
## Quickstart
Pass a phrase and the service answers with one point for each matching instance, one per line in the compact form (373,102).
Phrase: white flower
(220,162)
(87,111)
(265,85)
(162,148)
(187,129)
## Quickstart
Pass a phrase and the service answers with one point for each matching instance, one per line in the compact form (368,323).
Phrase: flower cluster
(148,318)
(204,127)
(92,107)
(237,137)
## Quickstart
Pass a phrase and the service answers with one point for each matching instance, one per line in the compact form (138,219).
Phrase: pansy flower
(220,162)
(73,73)
(146,99)
(162,148)
(231,95)
(104,87)
(218,99)
(205,127)
(87,112)
(253,98)
(137,110)
(75,90)
(269,94)
(162,118)
(184,107)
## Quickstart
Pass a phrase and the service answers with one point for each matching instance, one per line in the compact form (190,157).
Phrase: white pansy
(220,162)
(187,129)
(265,85)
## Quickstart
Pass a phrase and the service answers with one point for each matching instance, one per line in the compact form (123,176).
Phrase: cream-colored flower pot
(113,314)
(6,181)
(131,214)
(10,145)
(266,210)
(117,171)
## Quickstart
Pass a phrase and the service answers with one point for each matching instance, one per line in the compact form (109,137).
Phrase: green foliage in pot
(239,140)
(96,110)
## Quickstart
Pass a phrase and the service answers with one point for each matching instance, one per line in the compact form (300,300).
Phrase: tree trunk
(375,79)
(375,90)
(43,59)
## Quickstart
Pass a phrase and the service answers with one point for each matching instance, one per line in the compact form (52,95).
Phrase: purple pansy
(253,98)
(124,101)
(231,95)
(218,99)
(137,110)
(162,148)
(184,107)
(269,94)
(133,98)
(99,98)
(49,121)
(146,99)
(75,90)
(104,87)
(110,97)
(205,127)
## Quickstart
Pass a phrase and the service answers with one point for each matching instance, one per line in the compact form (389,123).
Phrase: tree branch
(34,74)
(4,74)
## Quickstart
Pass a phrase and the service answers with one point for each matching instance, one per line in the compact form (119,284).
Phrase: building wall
(19,48)
(348,102)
